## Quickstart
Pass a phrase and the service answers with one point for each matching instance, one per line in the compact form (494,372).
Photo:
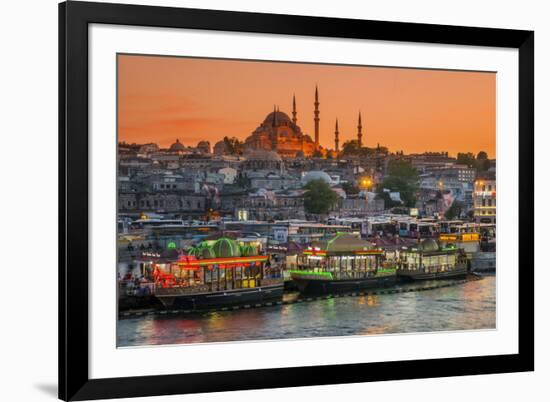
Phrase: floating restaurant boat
(220,273)
(344,263)
(431,261)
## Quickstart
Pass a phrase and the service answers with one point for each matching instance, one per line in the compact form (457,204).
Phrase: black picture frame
(74,18)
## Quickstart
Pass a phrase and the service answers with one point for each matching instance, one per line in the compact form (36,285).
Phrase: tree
(401,177)
(233,146)
(482,161)
(455,210)
(350,188)
(317,154)
(467,158)
(319,198)
(350,147)
(482,155)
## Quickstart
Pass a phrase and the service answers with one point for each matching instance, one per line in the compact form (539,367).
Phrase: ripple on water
(462,307)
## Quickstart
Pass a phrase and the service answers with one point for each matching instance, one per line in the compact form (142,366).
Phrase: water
(466,306)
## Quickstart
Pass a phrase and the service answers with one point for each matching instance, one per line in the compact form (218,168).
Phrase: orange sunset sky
(164,98)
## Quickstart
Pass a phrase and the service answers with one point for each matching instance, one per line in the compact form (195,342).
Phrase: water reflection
(468,306)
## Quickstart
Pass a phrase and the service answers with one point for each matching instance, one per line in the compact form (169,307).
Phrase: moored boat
(344,263)
(218,274)
(431,261)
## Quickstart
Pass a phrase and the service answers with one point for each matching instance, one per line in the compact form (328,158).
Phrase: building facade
(485,199)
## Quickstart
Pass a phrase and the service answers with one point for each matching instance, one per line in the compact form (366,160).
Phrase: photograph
(276,201)
(268,200)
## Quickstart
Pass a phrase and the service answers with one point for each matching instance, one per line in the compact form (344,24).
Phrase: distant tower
(359,133)
(294,113)
(316,117)
(274,122)
(336,138)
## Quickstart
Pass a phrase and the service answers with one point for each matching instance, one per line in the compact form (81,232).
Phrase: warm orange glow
(464,237)
(164,98)
(222,261)
(365,182)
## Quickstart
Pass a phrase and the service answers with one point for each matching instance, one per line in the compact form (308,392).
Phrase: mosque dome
(279,116)
(316,175)
(177,146)
(429,245)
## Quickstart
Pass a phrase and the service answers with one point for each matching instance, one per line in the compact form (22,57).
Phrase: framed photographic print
(258,200)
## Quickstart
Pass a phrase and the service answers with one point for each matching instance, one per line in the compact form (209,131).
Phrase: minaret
(316,117)
(359,133)
(294,113)
(274,137)
(274,123)
(336,139)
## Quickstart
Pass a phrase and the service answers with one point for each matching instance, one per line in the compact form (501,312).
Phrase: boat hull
(332,286)
(422,276)
(220,299)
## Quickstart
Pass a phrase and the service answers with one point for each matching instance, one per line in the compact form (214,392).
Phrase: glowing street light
(366,182)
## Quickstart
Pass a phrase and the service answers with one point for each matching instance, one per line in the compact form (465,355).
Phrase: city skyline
(161,99)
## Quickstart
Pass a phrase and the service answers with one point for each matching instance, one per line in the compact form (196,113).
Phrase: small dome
(262,155)
(279,116)
(177,146)
(316,175)
(226,247)
(202,250)
(429,245)
(207,252)
(248,250)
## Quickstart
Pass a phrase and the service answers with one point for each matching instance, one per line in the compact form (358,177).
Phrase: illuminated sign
(358,252)
(470,237)
(222,262)
(463,237)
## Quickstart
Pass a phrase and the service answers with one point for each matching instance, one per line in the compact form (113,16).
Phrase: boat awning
(228,262)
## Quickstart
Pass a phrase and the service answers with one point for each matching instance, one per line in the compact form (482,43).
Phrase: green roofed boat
(219,273)
(431,261)
(344,263)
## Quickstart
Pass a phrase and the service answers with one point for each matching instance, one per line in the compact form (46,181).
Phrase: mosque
(281,134)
